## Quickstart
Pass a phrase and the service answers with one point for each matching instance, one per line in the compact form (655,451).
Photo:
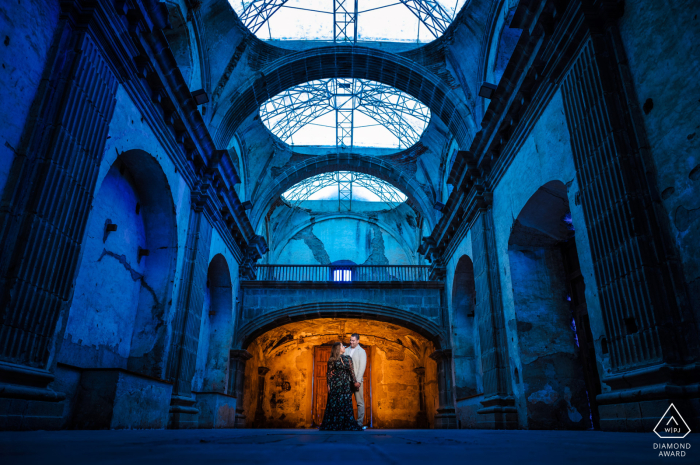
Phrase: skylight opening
(345,113)
(344,187)
(352,21)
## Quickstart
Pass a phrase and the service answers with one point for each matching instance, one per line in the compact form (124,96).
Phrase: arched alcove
(281,388)
(558,377)
(465,334)
(216,331)
(117,317)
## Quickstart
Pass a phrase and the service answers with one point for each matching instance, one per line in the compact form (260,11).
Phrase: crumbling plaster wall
(288,352)
(664,66)
(545,156)
(361,242)
(318,235)
(26,32)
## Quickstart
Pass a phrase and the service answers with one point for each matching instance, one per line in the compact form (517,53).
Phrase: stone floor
(310,446)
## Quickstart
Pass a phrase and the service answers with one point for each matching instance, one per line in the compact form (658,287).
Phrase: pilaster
(43,221)
(446,416)
(187,320)
(237,362)
(648,323)
(498,407)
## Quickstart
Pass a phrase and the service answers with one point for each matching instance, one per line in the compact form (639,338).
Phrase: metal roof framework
(345,180)
(430,13)
(286,113)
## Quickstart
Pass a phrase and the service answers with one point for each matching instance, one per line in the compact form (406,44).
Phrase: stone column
(648,322)
(44,214)
(446,417)
(260,419)
(422,416)
(237,362)
(498,407)
(187,320)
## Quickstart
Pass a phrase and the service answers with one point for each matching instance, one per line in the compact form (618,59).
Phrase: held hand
(357,385)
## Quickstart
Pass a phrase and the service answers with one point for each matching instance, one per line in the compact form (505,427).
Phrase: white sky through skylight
(327,186)
(377,20)
(382,116)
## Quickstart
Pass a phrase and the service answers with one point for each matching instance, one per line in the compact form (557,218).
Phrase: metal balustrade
(343,273)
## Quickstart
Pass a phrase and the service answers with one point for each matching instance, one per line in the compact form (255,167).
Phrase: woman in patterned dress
(340,378)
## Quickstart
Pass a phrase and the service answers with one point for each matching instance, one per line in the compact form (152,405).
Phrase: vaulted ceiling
(240,72)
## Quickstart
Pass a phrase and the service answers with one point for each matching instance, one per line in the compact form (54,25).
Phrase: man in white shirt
(359,363)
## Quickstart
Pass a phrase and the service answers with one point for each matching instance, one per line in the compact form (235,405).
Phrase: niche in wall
(117,316)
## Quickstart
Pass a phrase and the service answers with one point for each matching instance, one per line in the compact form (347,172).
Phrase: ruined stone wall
(106,324)
(545,156)
(663,67)
(351,239)
(466,407)
(288,351)
(184,44)
(370,234)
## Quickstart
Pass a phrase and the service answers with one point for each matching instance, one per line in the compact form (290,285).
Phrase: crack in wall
(135,275)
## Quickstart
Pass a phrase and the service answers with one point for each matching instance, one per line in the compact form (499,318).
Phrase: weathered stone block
(216,410)
(118,399)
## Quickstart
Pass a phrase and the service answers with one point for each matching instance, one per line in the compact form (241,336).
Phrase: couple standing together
(346,367)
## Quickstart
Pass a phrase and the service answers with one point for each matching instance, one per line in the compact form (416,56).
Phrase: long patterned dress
(339,415)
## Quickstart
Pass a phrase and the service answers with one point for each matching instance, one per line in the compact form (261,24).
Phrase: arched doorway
(465,338)
(558,373)
(216,330)
(279,389)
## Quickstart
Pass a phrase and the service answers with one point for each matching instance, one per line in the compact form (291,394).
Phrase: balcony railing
(343,273)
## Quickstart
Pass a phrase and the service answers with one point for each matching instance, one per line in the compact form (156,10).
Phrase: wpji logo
(672,425)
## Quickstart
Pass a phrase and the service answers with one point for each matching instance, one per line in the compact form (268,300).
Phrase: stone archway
(348,62)
(342,162)
(216,329)
(465,340)
(279,387)
(558,382)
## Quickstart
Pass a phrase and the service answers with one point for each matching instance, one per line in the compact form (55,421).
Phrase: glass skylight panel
(344,186)
(345,113)
(417,21)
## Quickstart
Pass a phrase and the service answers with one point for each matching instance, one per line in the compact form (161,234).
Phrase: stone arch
(283,377)
(251,329)
(543,263)
(216,331)
(118,315)
(374,166)
(465,340)
(348,62)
